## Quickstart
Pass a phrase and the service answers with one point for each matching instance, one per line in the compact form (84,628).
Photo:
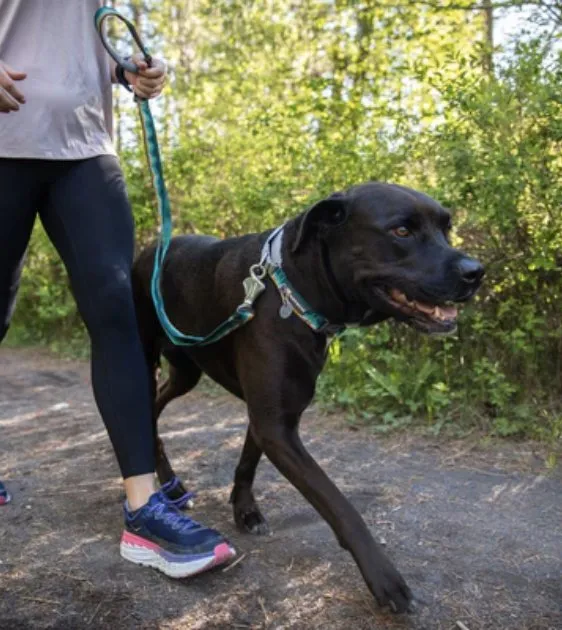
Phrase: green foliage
(272,104)
(496,161)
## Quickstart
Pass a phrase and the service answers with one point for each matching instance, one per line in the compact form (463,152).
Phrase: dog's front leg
(247,515)
(281,443)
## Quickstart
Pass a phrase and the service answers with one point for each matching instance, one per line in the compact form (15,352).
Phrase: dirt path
(476,532)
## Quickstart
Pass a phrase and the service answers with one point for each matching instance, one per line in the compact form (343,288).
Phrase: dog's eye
(401,232)
(338,217)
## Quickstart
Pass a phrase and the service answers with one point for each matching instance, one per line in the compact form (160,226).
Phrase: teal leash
(241,315)
(252,285)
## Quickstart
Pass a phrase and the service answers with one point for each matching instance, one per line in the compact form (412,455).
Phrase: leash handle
(99,18)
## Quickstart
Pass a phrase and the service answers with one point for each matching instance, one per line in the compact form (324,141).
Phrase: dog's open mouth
(422,315)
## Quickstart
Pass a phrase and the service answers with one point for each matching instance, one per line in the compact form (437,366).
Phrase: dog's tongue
(425,308)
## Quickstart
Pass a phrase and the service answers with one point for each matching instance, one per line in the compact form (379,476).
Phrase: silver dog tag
(285,311)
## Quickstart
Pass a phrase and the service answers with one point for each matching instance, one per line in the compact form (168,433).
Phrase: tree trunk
(488,60)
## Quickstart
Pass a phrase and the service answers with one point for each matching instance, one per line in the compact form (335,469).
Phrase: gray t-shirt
(67,113)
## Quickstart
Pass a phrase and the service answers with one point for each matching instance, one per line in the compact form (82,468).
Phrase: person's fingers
(149,81)
(141,91)
(144,93)
(140,63)
(7,102)
(147,93)
(16,75)
(154,72)
(157,67)
(4,108)
(148,88)
(8,84)
(149,84)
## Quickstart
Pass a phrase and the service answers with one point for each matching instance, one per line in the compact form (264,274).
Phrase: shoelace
(169,514)
(182,501)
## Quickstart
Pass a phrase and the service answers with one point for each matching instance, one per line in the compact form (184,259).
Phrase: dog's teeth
(424,308)
(398,296)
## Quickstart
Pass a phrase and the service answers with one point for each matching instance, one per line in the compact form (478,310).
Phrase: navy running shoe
(4,495)
(159,535)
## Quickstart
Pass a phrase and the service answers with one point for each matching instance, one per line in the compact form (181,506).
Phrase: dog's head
(388,247)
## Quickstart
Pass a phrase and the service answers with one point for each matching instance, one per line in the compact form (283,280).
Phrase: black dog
(359,257)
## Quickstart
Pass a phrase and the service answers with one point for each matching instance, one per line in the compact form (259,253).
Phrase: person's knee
(107,300)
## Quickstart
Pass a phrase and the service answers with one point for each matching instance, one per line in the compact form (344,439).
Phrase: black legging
(84,208)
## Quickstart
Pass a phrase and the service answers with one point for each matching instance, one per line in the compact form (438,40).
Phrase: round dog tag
(286,310)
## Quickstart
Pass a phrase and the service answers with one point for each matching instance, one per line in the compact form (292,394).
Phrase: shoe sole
(149,554)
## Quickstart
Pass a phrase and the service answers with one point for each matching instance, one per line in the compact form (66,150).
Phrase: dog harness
(271,257)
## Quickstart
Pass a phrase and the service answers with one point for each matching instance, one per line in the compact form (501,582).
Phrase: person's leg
(20,194)
(89,220)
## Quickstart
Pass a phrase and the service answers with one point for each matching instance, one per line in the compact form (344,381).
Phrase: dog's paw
(259,529)
(251,521)
(390,589)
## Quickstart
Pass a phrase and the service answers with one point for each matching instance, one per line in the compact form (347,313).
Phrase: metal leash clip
(253,286)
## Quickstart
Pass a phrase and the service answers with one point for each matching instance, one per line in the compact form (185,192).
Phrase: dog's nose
(471,271)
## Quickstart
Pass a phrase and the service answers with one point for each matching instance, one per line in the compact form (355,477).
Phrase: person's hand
(148,83)
(10,96)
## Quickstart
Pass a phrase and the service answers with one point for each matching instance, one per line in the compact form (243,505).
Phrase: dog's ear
(321,217)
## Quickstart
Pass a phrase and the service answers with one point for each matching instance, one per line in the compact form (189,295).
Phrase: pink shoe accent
(223,553)
(131,539)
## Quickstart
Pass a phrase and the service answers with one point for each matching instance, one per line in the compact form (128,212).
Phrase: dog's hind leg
(183,377)
(247,515)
